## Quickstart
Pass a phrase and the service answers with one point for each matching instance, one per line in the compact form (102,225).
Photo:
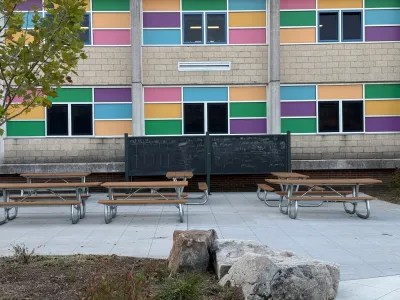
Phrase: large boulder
(228,251)
(191,250)
(283,275)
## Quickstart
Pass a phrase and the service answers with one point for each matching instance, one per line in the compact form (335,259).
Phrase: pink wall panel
(112,37)
(297,4)
(247,36)
(164,94)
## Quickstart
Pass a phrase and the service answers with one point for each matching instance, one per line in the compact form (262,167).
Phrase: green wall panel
(203,5)
(298,18)
(73,95)
(25,128)
(249,109)
(163,127)
(107,5)
(378,91)
(382,3)
(306,125)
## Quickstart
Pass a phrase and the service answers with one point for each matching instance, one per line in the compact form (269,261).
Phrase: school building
(187,67)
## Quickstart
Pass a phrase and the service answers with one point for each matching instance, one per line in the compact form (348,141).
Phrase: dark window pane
(85,35)
(352,26)
(193,28)
(353,116)
(81,119)
(193,118)
(57,120)
(216,31)
(328,116)
(328,26)
(217,116)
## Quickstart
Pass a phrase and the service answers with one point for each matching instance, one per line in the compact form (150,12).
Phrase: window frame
(342,12)
(69,119)
(204,29)
(205,116)
(338,28)
(340,111)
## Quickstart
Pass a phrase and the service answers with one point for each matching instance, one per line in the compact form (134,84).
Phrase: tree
(35,61)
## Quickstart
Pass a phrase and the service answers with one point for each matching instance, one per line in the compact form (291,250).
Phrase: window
(194,118)
(340,116)
(80,116)
(193,28)
(85,26)
(349,22)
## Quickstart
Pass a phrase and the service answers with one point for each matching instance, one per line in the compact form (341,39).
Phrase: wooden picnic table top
(287,175)
(145,184)
(179,174)
(54,175)
(317,181)
(48,185)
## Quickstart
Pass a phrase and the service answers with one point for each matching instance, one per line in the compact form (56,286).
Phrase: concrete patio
(366,250)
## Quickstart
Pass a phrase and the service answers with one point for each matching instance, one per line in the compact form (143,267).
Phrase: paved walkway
(364,248)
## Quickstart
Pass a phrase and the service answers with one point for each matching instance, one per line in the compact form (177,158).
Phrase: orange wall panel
(247,19)
(161,5)
(253,93)
(297,35)
(111,20)
(340,92)
(112,128)
(162,111)
(382,108)
(340,3)
(36,113)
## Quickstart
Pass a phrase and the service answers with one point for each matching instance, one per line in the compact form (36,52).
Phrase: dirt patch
(103,277)
(391,196)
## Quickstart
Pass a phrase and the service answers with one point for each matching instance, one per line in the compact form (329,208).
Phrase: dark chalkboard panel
(249,154)
(157,155)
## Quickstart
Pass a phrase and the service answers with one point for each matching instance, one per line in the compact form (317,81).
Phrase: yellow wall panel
(297,35)
(112,128)
(163,111)
(340,3)
(36,113)
(16,36)
(382,107)
(340,92)
(161,5)
(111,20)
(247,19)
(248,93)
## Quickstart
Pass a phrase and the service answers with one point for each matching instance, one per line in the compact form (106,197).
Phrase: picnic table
(155,195)
(185,175)
(48,177)
(332,194)
(29,197)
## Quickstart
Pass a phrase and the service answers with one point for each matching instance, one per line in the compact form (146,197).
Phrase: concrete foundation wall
(94,150)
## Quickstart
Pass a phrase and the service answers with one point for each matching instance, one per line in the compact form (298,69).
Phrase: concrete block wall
(105,66)
(340,63)
(304,147)
(60,150)
(249,65)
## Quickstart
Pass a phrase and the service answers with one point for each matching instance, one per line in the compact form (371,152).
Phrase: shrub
(22,254)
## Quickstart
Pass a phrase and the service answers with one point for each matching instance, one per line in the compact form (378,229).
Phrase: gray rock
(228,251)
(282,275)
(191,250)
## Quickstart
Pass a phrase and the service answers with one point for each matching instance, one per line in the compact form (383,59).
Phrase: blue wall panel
(161,37)
(247,4)
(298,92)
(382,16)
(203,94)
(112,111)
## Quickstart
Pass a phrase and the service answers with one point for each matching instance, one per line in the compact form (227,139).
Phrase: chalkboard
(216,154)
(158,155)
(249,154)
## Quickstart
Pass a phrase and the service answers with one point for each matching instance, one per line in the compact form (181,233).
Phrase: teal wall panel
(161,37)
(247,5)
(203,94)
(382,16)
(112,111)
(298,92)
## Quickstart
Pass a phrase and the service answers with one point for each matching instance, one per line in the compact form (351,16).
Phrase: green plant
(189,286)
(21,253)
(395,180)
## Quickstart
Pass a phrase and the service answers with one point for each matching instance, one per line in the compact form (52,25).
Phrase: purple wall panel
(381,124)
(156,20)
(113,95)
(249,126)
(29,4)
(298,109)
(382,33)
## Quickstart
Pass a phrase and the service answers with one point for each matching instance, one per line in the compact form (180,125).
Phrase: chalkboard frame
(208,153)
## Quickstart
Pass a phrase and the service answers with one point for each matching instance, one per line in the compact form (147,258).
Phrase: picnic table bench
(185,175)
(29,197)
(136,197)
(332,194)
